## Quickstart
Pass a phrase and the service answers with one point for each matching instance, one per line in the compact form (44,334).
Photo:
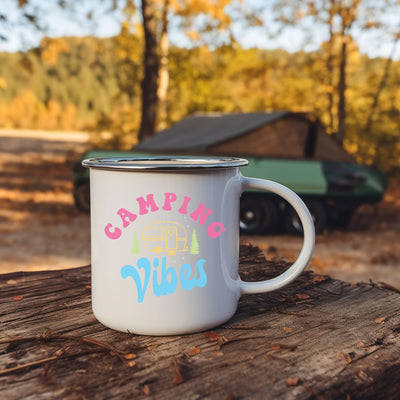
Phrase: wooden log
(318,338)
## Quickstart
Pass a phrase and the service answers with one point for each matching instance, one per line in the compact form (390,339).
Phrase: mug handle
(308,242)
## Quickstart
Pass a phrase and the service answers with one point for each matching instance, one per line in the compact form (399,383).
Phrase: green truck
(290,148)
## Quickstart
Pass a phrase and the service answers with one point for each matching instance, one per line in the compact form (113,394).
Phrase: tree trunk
(163,82)
(150,78)
(381,86)
(329,67)
(342,92)
(349,13)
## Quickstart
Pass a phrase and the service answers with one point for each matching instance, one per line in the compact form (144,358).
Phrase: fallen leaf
(319,278)
(131,363)
(361,344)
(302,296)
(380,320)
(194,351)
(345,358)
(18,297)
(212,335)
(130,356)
(292,381)
(178,379)
(287,329)
(276,347)
(146,390)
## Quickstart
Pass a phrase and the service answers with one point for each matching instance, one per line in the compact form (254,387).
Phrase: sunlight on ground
(40,227)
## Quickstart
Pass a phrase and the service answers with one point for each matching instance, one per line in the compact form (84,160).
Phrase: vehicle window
(155,232)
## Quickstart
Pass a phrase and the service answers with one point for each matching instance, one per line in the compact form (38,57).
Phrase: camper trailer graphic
(165,236)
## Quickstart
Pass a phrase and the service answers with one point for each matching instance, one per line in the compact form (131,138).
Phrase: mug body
(164,243)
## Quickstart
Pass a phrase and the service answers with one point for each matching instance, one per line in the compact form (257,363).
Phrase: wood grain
(318,338)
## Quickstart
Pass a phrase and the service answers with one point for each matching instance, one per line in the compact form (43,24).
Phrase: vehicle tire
(318,213)
(82,196)
(257,215)
(342,219)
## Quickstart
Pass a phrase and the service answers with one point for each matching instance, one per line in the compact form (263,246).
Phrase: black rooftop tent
(281,134)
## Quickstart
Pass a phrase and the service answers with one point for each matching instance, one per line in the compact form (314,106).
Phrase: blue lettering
(200,274)
(129,270)
(167,285)
(169,277)
(184,277)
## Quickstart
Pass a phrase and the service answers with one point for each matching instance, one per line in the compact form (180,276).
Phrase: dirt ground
(40,228)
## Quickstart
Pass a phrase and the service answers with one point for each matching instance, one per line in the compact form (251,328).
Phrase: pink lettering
(212,229)
(169,198)
(145,204)
(112,235)
(184,206)
(125,214)
(202,213)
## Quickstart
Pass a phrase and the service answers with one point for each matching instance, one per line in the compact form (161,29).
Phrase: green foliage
(90,83)
(83,73)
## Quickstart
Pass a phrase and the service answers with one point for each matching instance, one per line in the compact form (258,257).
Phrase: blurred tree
(381,85)
(151,67)
(199,19)
(69,82)
(156,15)
(225,79)
(340,18)
(163,75)
(52,48)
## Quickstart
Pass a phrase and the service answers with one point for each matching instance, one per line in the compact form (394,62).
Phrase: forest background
(88,83)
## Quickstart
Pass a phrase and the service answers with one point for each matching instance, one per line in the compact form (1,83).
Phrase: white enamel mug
(165,242)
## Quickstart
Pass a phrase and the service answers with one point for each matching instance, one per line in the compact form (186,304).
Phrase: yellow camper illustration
(165,236)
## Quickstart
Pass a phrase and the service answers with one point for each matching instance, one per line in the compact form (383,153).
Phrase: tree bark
(342,92)
(348,15)
(150,78)
(317,338)
(329,67)
(163,82)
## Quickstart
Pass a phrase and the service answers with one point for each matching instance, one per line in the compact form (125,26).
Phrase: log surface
(317,338)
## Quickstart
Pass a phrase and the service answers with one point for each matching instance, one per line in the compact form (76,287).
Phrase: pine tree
(194,244)
(135,243)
